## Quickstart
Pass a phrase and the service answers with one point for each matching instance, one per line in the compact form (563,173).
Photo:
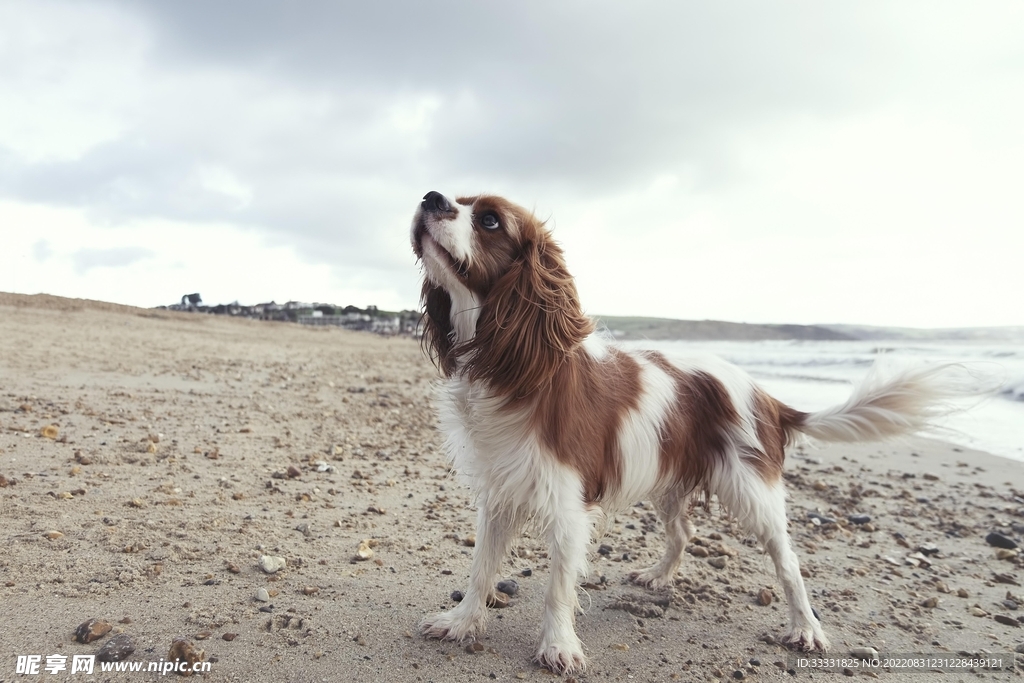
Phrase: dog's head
(499,303)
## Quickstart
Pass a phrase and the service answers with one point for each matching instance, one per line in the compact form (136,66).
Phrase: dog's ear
(529,321)
(437,327)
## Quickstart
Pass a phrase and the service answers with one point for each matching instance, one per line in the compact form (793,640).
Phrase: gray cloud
(117,257)
(295,104)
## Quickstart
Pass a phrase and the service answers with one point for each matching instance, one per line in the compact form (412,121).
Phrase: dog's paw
(652,578)
(563,657)
(453,625)
(808,638)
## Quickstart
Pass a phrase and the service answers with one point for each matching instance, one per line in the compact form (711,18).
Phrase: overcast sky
(763,162)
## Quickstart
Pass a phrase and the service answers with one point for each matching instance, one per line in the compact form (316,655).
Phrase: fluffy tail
(892,402)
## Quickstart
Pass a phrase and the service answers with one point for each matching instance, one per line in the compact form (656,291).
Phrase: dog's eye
(489,221)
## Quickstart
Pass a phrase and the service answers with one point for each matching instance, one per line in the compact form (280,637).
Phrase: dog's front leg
(495,528)
(568,533)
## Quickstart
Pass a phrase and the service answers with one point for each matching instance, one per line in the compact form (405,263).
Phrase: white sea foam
(811,375)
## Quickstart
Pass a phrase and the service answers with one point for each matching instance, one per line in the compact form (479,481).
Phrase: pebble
(754,661)
(859,519)
(864,652)
(526,572)
(1004,554)
(509,587)
(962,593)
(293,472)
(928,549)
(977,611)
(272,564)
(497,600)
(1006,620)
(475,647)
(310,590)
(718,562)
(262,595)
(764,597)
(53,535)
(469,541)
(738,674)
(92,629)
(1010,605)
(116,649)
(229,636)
(699,551)
(930,602)
(457,596)
(605,549)
(821,519)
(621,647)
(1000,541)
(365,549)
(303,528)
(184,650)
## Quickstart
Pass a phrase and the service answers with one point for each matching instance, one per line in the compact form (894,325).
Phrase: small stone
(203,635)
(475,647)
(359,640)
(869,527)
(718,562)
(365,549)
(457,596)
(764,597)
(698,551)
(1005,578)
(310,590)
(621,647)
(293,472)
(116,649)
(738,675)
(1006,620)
(526,572)
(859,519)
(303,528)
(998,540)
(497,600)
(962,593)
(754,661)
(229,636)
(50,431)
(184,651)
(977,612)
(91,630)
(272,564)
(868,653)
(509,587)
(941,587)
(822,519)
(262,595)
(930,602)
(53,535)
(1004,554)
(928,549)
(469,541)
(605,550)
(233,568)
(1010,605)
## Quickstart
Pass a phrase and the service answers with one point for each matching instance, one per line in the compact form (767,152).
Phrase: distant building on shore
(369,319)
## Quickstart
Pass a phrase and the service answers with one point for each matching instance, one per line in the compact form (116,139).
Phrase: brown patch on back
(774,421)
(695,432)
(578,416)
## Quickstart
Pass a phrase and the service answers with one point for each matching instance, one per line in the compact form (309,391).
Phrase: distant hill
(990,334)
(708,330)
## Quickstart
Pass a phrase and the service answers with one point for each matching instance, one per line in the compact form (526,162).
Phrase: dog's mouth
(459,267)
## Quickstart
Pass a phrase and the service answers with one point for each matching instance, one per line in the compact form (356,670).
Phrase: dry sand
(185,447)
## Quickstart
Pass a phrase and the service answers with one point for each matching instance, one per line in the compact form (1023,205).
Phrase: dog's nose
(435,201)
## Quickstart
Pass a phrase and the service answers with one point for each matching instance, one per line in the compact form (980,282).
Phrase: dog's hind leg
(494,532)
(672,508)
(760,507)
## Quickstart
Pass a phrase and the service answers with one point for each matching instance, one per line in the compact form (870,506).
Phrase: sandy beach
(150,459)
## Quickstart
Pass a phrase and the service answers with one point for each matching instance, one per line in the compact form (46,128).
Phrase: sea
(811,375)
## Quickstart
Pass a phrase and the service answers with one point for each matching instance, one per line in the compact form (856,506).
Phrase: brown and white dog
(555,426)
